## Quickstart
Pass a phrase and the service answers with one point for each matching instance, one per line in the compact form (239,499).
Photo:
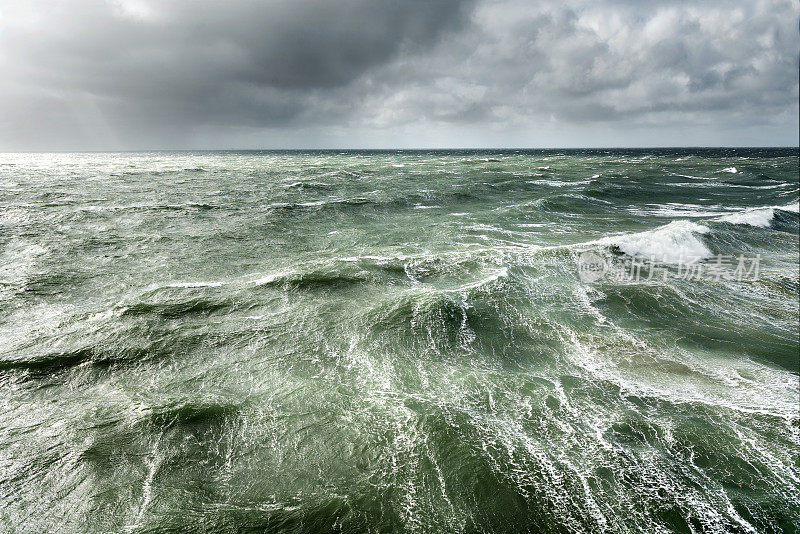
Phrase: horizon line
(396,149)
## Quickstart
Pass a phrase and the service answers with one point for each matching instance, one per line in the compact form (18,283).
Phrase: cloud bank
(131,74)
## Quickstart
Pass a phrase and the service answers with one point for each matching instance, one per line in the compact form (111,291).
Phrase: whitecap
(195,284)
(794,207)
(760,217)
(731,170)
(551,183)
(493,277)
(676,242)
(269,278)
(674,210)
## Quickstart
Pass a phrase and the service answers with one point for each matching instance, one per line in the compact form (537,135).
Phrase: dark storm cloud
(169,65)
(139,73)
(289,44)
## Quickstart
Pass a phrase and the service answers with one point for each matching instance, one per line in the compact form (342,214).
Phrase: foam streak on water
(397,341)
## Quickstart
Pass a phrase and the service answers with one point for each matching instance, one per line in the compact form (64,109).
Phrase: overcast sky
(139,74)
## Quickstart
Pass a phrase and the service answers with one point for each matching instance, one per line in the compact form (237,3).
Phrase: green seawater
(401,341)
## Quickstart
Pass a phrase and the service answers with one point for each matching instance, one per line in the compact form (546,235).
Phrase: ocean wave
(443,318)
(563,203)
(194,285)
(97,354)
(677,209)
(410,200)
(558,183)
(307,186)
(445,272)
(47,363)
(759,217)
(794,207)
(675,242)
(313,279)
(108,345)
(187,206)
(479,160)
(202,411)
(319,204)
(177,309)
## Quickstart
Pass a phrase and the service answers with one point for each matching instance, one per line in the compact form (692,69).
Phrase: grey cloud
(283,43)
(587,62)
(169,66)
(136,73)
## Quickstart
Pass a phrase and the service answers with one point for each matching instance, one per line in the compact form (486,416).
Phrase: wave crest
(672,243)
(760,217)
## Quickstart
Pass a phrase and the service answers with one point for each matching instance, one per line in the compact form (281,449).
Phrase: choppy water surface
(398,341)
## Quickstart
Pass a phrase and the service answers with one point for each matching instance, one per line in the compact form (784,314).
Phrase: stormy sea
(400,341)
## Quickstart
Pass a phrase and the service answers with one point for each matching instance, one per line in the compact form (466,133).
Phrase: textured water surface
(397,342)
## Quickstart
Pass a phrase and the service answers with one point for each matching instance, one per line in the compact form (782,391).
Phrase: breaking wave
(672,243)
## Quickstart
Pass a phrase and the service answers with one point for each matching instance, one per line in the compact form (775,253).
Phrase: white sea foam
(18,261)
(760,217)
(551,183)
(793,207)
(493,277)
(674,210)
(195,284)
(731,170)
(269,278)
(672,243)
